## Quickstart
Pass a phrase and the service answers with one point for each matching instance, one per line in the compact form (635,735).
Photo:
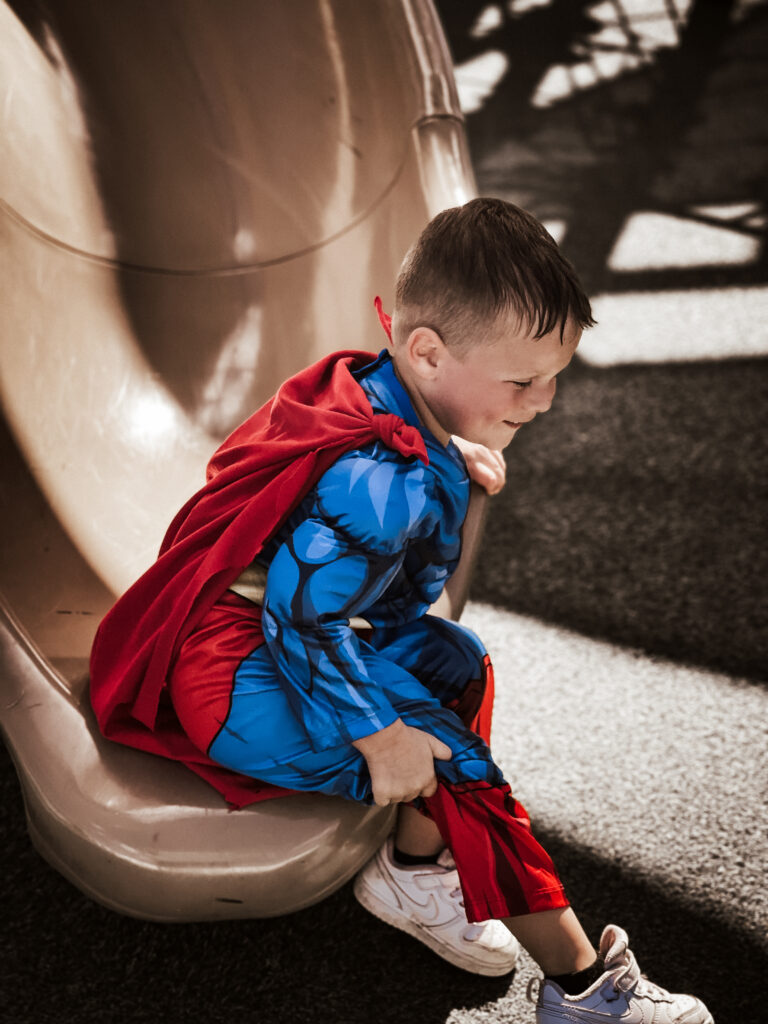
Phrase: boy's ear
(424,350)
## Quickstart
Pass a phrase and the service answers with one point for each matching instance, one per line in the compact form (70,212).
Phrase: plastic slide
(196,200)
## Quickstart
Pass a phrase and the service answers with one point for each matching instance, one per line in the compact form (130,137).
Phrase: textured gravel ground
(635,760)
(622,586)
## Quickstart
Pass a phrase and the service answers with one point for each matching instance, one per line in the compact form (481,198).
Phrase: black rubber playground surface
(623,584)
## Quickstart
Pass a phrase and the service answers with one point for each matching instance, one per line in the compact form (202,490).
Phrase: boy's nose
(540,395)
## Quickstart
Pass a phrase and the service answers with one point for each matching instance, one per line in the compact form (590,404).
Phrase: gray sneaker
(621,993)
(426,902)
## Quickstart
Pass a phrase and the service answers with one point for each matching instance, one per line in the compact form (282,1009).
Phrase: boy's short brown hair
(477,262)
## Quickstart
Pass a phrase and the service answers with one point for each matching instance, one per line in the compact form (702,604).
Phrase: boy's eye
(521,383)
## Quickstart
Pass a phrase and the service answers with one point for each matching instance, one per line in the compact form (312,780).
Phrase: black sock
(578,981)
(410,860)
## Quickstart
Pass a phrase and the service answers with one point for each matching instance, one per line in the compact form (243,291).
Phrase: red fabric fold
(504,871)
(384,318)
(254,480)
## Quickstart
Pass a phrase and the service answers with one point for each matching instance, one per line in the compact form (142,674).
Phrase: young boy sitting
(283,639)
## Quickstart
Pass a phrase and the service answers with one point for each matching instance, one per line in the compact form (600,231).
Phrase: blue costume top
(378,536)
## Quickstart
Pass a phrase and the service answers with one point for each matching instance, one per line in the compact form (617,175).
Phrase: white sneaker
(426,902)
(621,993)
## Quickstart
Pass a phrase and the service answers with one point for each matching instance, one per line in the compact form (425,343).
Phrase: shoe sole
(372,904)
(549,1017)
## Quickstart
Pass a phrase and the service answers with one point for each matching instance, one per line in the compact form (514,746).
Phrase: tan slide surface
(196,200)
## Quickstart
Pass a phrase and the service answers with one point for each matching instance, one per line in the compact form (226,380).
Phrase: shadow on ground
(73,960)
(636,511)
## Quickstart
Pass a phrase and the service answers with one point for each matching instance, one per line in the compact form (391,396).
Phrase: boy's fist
(401,762)
(485,466)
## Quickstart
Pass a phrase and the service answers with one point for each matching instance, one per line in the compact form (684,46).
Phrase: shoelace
(628,977)
(451,876)
(452,884)
(627,972)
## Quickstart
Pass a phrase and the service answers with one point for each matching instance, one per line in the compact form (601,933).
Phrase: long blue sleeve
(367,514)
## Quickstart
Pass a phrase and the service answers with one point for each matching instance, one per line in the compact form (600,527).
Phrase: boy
(242,651)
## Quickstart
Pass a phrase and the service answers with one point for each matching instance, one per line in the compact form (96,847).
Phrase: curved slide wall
(196,200)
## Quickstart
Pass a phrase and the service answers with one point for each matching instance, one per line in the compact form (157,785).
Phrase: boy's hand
(486,467)
(401,761)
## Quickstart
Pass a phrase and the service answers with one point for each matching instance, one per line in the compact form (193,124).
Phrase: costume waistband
(252,582)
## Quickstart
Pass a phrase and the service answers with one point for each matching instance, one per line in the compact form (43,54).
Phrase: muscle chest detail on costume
(375,504)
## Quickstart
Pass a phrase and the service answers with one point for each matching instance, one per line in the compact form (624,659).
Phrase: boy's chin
(509,432)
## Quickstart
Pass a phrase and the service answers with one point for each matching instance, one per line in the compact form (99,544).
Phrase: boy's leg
(579,984)
(612,988)
(451,662)
(417,835)
(228,696)
(248,745)
(454,668)
(504,871)
(230,700)
(555,940)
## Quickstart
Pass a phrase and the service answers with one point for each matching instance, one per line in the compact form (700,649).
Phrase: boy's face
(498,384)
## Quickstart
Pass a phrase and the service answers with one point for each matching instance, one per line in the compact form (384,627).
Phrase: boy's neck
(426,417)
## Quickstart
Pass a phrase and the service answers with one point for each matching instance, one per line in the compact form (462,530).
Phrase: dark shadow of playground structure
(636,509)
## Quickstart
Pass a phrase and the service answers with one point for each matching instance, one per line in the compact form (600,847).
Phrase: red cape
(253,481)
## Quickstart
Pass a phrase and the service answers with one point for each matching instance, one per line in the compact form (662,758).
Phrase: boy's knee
(467,646)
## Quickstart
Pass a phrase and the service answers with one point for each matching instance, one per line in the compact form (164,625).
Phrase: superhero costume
(280,692)
(254,479)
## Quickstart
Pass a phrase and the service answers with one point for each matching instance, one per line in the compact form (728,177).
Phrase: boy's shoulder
(378,496)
